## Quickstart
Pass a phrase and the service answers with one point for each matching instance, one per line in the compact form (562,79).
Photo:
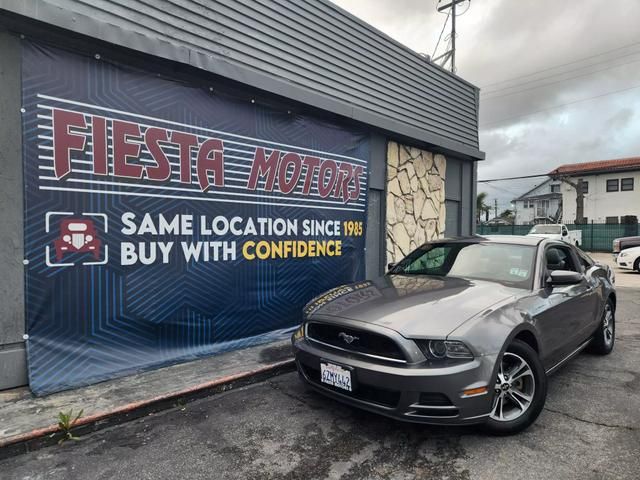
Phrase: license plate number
(336,376)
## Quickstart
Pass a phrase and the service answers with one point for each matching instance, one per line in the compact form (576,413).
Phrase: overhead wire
(441,32)
(573,62)
(487,95)
(502,120)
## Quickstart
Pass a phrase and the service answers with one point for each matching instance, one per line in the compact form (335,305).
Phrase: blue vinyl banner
(165,221)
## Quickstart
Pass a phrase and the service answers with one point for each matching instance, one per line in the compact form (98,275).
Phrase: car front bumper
(625,262)
(408,393)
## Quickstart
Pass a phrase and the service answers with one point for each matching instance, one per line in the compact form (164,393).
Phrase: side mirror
(564,277)
(391,265)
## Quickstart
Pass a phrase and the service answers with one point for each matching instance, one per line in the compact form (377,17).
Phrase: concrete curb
(49,435)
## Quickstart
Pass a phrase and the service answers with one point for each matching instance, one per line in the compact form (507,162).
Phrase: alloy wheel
(514,390)
(607,324)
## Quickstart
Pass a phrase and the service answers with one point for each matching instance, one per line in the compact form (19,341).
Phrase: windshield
(511,265)
(546,229)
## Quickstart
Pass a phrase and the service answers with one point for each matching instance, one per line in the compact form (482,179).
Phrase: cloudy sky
(560,80)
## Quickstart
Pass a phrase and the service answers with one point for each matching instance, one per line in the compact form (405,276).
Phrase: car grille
(364,392)
(372,345)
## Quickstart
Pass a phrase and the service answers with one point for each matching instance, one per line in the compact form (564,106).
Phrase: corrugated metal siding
(310,44)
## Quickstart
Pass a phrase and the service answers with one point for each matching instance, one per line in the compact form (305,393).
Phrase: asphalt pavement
(589,429)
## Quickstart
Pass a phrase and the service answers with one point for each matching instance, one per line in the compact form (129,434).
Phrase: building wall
(12,328)
(600,204)
(375,241)
(524,216)
(447,116)
(415,198)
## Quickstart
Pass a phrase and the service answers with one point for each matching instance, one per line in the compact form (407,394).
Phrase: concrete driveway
(590,429)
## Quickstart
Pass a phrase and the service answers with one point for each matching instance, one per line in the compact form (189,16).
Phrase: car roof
(508,239)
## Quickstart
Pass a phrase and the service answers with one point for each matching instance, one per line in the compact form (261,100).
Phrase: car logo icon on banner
(77,235)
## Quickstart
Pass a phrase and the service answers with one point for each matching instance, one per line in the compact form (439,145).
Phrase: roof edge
(44,13)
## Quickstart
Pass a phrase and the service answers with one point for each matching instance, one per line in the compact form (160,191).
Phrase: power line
(450,53)
(501,189)
(512,178)
(440,37)
(559,106)
(609,67)
(561,65)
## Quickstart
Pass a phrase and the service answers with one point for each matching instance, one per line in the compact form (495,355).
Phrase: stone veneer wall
(415,198)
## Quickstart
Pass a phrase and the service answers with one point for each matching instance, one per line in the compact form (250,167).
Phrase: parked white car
(557,231)
(629,259)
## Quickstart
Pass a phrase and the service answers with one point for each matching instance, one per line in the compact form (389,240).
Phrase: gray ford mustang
(461,331)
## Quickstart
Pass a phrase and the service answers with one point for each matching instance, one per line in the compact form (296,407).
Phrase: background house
(542,203)
(611,189)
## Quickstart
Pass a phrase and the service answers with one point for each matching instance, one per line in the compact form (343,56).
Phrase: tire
(605,337)
(510,412)
(636,265)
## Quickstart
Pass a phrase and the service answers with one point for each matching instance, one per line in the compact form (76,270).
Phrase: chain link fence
(596,237)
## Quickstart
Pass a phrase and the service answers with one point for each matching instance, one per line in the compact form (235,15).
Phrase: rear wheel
(605,336)
(520,390)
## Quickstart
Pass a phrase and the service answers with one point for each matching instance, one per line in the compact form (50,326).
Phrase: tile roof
(631,163)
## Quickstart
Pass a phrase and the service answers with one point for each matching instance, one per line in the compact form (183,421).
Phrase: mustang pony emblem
(347,338)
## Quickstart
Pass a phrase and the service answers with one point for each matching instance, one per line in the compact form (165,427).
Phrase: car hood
(412,305)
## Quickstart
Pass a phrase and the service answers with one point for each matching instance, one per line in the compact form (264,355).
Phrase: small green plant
(66,421)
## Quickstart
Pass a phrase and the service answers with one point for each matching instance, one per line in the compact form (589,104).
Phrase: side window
(559,258)
(433,260)
(585,261)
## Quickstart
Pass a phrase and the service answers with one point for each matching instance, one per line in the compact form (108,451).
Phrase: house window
(542,208)
(626,184)
(555,188)
(585,187)
(613,185)
(612,219)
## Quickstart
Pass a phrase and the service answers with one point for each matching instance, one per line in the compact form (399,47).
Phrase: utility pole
(451,53)
(495,208)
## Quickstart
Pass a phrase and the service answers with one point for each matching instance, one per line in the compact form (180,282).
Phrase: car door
(567,308)
(596,276)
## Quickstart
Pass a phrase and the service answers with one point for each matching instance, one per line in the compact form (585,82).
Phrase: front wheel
(605,336)
(520,390)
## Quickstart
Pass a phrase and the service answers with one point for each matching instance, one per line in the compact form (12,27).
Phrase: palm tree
(481,206)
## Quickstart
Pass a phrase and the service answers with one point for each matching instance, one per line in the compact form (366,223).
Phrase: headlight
(437,348)
(298,334)
(457,349)
(444,349)
(623,254)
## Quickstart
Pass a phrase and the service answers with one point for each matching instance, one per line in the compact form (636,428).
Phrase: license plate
(336,376)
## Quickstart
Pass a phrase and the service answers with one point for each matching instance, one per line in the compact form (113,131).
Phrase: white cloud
(502,39)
